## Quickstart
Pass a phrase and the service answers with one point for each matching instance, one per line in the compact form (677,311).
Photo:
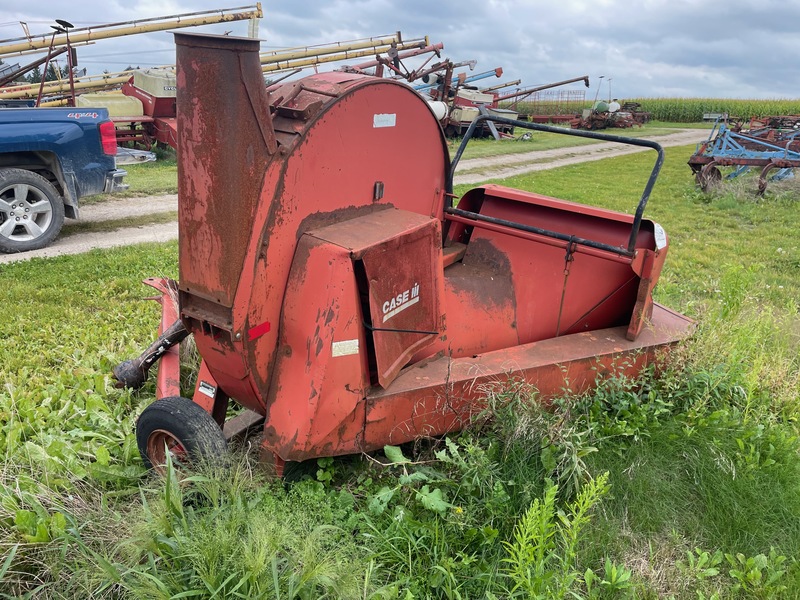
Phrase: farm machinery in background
(393,63)
(606,115)
(500,86)
(510,100)
(147,113)
(347,301)
(150,116)
(634,109)
(142,103)
(455,81)
(467,104)
(463,103)
(771,144)
(65,37)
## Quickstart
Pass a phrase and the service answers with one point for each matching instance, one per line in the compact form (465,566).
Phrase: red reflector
(108,137)
(258,330)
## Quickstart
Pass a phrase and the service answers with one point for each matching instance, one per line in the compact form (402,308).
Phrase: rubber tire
(13,176)
(188,423)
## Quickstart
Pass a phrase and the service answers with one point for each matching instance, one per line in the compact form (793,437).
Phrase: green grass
(702,466)
(75,227)
(147,179)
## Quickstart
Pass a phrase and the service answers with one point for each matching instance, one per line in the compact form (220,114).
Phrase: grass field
(685,485)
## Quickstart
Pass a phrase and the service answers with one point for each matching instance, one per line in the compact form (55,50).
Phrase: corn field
(691,110)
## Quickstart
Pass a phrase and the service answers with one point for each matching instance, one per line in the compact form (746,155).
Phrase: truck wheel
(31,211)
(178,426)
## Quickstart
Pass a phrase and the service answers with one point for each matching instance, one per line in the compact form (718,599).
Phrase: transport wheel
(178,426)
(31,211)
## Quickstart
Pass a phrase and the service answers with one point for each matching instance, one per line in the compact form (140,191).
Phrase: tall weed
(542,557)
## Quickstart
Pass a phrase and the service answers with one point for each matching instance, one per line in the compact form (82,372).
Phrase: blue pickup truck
(50,158)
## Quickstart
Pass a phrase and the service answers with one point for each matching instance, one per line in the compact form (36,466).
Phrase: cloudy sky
(642,48)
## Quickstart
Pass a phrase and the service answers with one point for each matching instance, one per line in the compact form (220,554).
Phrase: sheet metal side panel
(443,395)
(221,165)
(328,175)
(404,276)
(557,292)
(316,394)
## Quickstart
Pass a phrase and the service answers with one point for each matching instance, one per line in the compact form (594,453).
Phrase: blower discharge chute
(334,291)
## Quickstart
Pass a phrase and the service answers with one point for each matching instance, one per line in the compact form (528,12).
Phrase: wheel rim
(159,443)
(25,212)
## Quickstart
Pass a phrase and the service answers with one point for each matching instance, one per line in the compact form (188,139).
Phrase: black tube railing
(637,220)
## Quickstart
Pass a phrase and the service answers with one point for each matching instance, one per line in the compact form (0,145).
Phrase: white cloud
(647,48)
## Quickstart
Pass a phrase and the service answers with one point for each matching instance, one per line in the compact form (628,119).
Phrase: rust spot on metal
(222,160)
(486,273)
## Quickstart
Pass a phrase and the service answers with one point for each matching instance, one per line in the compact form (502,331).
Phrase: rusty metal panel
(315,403)
(481,305)
(224,136)
(442,395)
(562,287)
(401,255)
(404,281)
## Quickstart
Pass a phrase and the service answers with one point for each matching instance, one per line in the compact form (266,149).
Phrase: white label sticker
(387,120)
(345,348)
(661,236)
(207,389)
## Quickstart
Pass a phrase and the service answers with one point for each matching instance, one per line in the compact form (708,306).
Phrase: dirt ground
(481,169)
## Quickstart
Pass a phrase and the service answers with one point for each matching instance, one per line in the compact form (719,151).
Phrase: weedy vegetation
(683,484)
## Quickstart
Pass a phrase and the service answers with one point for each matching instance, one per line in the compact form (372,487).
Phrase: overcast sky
(645,48)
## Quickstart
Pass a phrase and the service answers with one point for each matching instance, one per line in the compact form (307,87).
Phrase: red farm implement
(336,292)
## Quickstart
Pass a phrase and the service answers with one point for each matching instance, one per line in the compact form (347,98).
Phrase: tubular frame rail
(637,220)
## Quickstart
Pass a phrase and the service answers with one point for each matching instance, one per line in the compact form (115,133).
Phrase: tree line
(52,73)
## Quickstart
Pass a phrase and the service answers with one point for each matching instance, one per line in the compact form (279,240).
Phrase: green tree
(34,76)
(55,73)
